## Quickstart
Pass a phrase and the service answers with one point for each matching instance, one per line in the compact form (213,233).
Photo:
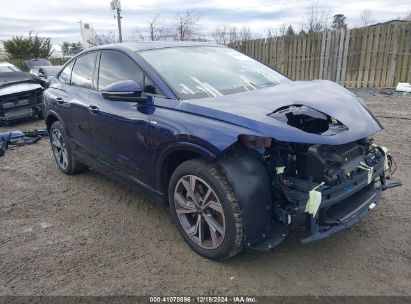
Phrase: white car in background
(8,67)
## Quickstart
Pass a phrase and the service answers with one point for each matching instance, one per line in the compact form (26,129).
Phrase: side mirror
(42,75)
(126,90)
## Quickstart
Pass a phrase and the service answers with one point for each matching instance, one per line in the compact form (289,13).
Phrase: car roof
(48,67)
(31,63)
(151,45)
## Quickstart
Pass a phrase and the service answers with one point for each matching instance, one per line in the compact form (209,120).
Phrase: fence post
(393,57)
(340,54)
(322,54)
(345,56)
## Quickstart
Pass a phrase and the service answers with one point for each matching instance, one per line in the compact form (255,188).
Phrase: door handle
(93,109)
(60,100)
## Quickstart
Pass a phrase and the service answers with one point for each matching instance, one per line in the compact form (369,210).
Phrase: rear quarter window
(65,75)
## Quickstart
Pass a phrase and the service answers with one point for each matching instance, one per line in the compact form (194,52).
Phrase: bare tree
(226,35)
(408,17)
(101,39)
(270,32)
(283,29)
(185,25)
(221,35)
(234,35)
(365,17)
(157,31)
(136,35)
(245,33)
(317,19)
(154,31)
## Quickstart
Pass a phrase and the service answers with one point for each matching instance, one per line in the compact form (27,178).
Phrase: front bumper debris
(344,215)
(16,139)
(342,206)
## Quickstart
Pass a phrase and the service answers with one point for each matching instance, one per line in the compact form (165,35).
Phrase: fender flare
(179,146)
(53,113)
(252,187)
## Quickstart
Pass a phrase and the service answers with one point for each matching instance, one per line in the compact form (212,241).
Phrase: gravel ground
(88,235)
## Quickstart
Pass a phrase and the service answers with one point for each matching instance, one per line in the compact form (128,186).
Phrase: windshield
(206,71)
(8,68)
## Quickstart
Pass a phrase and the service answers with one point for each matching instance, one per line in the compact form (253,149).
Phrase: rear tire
(208,216)
(62,150)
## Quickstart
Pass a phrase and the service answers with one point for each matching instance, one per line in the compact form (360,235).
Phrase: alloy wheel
(59,149)
(199,211)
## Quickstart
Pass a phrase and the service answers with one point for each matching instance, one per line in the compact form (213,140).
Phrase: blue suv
(240,153)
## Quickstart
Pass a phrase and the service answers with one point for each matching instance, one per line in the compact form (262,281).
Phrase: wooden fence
(375,56)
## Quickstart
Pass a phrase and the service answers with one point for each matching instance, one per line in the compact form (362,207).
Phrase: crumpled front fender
(251,185)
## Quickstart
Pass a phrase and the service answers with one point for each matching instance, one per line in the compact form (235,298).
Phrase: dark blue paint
(131,141)
(124,86)
(126,90)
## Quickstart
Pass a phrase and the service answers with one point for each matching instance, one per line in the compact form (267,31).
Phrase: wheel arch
(174,155)
(250,182)
(51,118)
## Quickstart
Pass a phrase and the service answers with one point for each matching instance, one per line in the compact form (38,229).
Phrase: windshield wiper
(248,82)
(207,88)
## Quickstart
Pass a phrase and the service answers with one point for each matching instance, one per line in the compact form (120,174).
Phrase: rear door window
(82,74)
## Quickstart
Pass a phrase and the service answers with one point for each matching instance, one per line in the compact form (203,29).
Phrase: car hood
(13,78)
(251,109)
(19,88)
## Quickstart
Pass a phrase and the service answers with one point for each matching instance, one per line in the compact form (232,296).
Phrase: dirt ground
(88,235)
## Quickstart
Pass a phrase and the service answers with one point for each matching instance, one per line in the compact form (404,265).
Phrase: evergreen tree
(339,22)
(21,47)
(290,31)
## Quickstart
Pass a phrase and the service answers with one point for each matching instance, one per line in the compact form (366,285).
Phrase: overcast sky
(59,19)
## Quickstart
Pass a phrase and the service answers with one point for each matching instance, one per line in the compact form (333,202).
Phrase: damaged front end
(324,188)
(320,187)
(20,97)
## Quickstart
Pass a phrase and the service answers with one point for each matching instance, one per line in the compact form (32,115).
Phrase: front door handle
(93,109)
(60,100)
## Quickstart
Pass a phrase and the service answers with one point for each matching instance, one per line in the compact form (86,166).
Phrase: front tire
(62,150)
(205,210)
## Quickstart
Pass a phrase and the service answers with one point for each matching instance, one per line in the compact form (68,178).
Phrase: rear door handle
(60,100)
(93,109)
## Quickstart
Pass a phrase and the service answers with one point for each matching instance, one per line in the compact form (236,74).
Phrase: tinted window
(65,75)
(115,67)
(83,69)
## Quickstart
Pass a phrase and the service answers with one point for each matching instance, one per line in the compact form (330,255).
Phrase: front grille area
(18,100)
